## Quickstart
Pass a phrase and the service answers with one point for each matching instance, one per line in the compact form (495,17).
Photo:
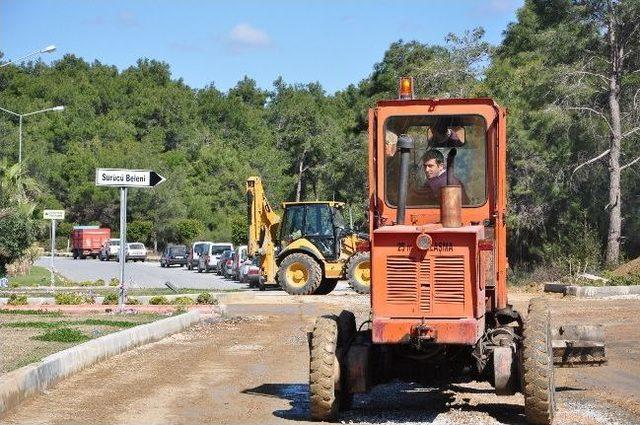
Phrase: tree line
(567,70)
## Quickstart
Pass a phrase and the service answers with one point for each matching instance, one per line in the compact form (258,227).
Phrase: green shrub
(73,299)
(15,299)
(206,298)
(99,282)
(159,300)
(114,281)
(110,299)
(182,301)
(62,335)
(85,283)
(132,301)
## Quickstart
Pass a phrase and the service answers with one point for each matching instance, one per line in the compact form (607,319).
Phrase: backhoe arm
(263,227)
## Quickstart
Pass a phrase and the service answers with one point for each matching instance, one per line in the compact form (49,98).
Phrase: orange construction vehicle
(439,306)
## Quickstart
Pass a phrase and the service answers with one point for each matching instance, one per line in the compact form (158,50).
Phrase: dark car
(174,254)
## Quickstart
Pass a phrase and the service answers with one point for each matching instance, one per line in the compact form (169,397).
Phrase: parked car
(254,275)
(210,254)
(250,272)
(223,259)
(194,253)
(110,249)
(239,257)
(135,251)
(86,241)
(174,254)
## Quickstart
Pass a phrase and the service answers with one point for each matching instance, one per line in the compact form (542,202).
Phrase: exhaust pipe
(451,197)
(405,144)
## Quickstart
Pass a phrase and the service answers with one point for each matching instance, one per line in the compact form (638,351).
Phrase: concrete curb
(19,384)
(592,291)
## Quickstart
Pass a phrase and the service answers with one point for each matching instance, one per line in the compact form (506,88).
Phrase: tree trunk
(615,200)
(300,172)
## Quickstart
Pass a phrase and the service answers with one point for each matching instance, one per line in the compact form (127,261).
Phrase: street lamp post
(21,116)
(48,49)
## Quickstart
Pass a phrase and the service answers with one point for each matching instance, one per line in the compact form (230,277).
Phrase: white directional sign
(53,214)
(127,178)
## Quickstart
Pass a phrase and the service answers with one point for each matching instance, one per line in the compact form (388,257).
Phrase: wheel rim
(297,275)
(362,273)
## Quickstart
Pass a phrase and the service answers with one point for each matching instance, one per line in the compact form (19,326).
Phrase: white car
(110,249)
(135,251)
(194,253)
(210,255)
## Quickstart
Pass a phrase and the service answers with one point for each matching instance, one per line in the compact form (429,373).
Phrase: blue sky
(333,42)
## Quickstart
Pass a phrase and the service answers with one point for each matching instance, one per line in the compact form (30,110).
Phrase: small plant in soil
(15,299)
(206,298)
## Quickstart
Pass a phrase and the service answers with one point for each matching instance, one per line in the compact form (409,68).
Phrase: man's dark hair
(433,154)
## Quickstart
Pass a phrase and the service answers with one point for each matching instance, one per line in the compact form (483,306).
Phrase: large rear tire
(330,341)
(299,274)
(326,286)
(359,272)
(538,384)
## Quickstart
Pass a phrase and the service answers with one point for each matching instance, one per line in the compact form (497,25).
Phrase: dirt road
(254,371)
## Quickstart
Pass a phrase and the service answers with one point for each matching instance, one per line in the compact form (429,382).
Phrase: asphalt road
(145,275)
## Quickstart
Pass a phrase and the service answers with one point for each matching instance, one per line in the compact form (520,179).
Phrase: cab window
(435,136)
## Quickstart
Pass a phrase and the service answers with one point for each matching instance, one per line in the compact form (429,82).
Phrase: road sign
(127,178)
(53,214)
(124,179)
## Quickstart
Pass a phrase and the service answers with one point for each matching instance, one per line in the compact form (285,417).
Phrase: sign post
(125,179)
(53,215)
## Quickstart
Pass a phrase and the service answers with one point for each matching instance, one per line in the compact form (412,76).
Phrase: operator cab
(321,223)
(435,137)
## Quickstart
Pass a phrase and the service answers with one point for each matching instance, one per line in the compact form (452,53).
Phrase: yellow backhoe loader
(309,250)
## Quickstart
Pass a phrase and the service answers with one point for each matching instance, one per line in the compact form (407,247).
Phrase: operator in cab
(435,172)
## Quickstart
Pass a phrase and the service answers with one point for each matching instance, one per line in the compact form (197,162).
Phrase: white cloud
(244,37)
(126,18)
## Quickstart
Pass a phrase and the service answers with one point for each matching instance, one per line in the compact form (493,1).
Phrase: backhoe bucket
(578,345)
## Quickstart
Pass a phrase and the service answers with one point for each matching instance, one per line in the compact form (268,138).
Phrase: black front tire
(330,341)
(538,384)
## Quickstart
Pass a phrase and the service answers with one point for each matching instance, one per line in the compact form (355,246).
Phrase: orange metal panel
(441,282)
(444,331)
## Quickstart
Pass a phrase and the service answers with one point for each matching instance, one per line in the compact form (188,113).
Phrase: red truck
(87,240)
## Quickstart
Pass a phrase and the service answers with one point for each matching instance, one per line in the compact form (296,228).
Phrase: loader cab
(321,223)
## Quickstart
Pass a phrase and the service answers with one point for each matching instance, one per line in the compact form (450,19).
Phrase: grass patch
(88,322)
(62,335)
(38,325)
(38,276)
(104,322)
(33,312)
